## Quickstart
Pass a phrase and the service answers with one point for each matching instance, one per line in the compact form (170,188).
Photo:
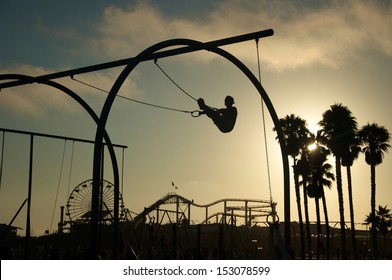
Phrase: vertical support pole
(224,211)
(101,205)
(232,228)
(94,224)
(61,224)
(177,209)
(2,159)
(189,213)
(28,231)
(246,214)
(116,217)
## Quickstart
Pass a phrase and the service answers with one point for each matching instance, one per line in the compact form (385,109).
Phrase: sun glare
(313,128)
(312,146)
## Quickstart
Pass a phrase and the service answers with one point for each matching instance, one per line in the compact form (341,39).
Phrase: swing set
(197,113)
(154,53)
(27,201)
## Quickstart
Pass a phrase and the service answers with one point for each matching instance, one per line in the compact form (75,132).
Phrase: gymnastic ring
(272,215)
(196,113)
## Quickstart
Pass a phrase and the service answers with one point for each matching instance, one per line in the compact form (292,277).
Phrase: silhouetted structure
(151,53)
(224,118)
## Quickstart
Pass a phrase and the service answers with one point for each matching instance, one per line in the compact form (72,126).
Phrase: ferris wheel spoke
(79,202)
(86,194)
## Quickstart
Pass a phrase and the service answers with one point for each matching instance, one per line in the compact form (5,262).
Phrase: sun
(312,146)
(313,128)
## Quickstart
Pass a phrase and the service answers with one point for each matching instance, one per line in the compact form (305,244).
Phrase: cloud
(326,34)
(123,32)
(330,35)
(28,100)
(38,101)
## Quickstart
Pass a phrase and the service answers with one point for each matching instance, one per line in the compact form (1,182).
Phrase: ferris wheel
(79,203)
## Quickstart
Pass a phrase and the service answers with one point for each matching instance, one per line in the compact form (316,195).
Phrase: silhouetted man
(223,118)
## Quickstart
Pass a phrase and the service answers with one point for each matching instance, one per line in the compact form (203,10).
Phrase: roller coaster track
(263,207)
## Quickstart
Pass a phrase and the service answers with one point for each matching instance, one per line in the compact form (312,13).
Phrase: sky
(322,53)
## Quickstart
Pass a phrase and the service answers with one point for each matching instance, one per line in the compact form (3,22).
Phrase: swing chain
(193,113)
(263,120)
(177,85)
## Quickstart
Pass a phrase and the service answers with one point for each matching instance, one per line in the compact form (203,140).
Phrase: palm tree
(374,141)
(295,133)
(303,166)
(304,171)
(381,222)
(385,218)
(338,127)
(373,221)
(347,161)
(320,176)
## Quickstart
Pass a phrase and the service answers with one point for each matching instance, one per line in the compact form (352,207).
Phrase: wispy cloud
(324,35)
(29,100)
(38,100)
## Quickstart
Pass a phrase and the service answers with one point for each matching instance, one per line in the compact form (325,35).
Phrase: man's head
(229,101)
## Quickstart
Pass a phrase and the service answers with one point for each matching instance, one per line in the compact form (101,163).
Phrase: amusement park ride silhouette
(174,217)
(98,208)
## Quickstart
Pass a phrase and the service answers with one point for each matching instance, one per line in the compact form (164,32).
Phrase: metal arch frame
(149,54)
(145,55)
(108,142)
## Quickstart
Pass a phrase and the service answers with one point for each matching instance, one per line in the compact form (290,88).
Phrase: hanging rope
(264,128)
(194,113)
(2,159)
(167,75)
(58,185)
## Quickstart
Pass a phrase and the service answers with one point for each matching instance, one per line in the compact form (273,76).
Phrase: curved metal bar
(90,111)
(166,53)
(117,85)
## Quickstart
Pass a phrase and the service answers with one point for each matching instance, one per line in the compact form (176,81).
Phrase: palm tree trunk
(341,206)
(327,232)
(385,245)
(301,224)
(307,222)
(350,198)
(316,200)
(373,209)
